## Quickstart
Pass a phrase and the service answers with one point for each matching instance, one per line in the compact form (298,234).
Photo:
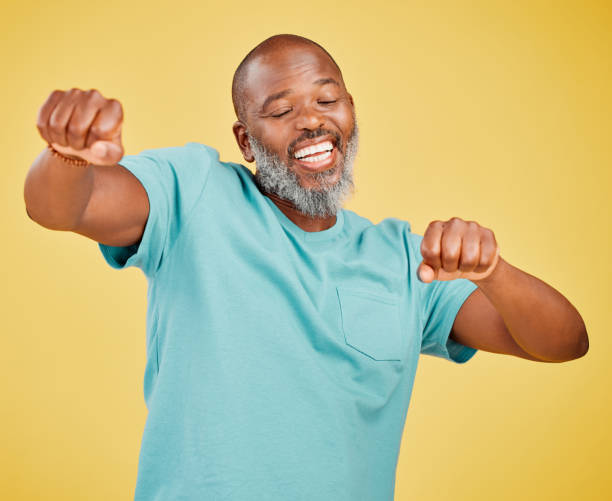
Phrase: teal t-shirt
(280,362)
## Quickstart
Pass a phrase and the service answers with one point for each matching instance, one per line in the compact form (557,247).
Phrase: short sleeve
(440,303)
(174,179)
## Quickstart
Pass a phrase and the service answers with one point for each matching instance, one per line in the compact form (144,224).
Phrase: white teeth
(317,158)
(315,148)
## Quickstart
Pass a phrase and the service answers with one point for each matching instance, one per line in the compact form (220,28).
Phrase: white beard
(272,175)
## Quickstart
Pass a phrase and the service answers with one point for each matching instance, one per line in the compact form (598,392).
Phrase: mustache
(312,134)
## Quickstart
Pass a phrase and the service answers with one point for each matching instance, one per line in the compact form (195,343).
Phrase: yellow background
(499,112)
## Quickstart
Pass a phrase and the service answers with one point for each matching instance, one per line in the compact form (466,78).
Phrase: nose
(309,119)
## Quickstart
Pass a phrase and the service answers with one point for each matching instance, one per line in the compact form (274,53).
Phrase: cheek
(274,138)
(344,120)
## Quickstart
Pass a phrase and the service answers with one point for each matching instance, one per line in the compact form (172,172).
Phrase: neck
(307,223)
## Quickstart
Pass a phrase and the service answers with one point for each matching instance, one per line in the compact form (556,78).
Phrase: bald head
(267,48)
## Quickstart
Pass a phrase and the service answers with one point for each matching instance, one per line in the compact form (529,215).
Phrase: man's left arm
(511,312)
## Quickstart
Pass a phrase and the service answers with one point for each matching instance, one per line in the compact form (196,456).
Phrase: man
(283,332)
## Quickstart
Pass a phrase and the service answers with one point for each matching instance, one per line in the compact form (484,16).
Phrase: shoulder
(178,155)
(188,167)
(390,229)
(195,167)
(389,237)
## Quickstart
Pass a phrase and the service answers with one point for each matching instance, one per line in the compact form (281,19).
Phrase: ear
(351,99)
(242,138)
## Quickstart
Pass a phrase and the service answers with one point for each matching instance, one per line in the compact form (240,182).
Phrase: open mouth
(316,156)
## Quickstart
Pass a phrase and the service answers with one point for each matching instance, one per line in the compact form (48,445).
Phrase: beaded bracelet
(72,161)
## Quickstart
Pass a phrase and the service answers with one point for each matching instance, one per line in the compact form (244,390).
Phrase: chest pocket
(371,322)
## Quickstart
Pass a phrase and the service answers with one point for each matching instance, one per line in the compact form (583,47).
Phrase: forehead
(289,67)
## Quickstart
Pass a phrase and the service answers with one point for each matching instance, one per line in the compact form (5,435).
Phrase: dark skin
(290,90)
(511,312)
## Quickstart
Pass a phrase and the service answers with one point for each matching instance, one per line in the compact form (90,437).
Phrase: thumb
(107,151)
(425,273)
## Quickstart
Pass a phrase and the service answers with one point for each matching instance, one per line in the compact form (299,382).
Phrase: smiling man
(283,331)
(290,86)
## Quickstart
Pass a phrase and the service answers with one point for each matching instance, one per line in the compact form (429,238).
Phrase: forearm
(540,319)
(55,192)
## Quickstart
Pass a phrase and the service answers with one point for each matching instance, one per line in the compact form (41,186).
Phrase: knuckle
(428,252)
(469,260)
(54,122)
(93,95)
(113,107)
(76,131)
(99,130)
(434,225)
(96,130)
(452,253)
(93,100)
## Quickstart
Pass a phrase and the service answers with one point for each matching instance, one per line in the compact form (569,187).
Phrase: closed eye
(278,115)
(327,102)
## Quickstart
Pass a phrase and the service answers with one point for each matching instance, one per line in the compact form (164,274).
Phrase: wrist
(496,275)
(70,159)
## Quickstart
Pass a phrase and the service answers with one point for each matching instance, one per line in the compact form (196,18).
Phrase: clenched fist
(457,249)
(83,124)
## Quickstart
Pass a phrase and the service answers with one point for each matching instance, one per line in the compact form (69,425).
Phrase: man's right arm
(103,200)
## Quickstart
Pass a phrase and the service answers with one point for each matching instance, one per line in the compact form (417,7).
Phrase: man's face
(299,113)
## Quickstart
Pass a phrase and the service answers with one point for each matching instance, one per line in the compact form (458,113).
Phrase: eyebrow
(324,81)
(283,93)
(274,97)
